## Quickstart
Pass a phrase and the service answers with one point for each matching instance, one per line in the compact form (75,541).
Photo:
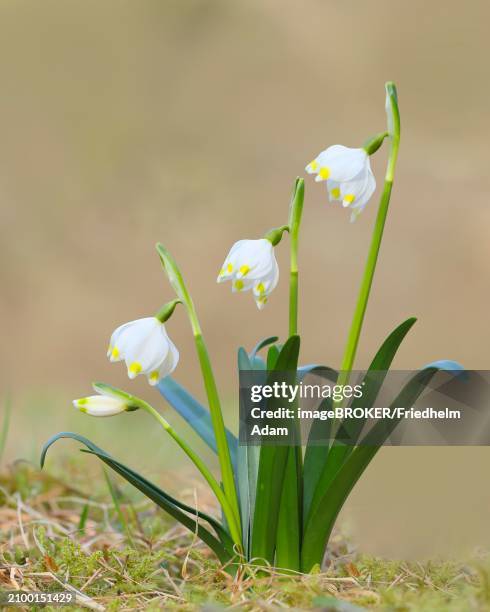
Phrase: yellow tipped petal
(134,369)
(154,377)
(261,302)
(324,173)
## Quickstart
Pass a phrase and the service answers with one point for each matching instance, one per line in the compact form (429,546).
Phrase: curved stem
(372,258)
(202,467)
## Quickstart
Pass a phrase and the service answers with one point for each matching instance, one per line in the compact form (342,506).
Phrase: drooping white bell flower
(101,405)
(251,264)
(145,347)
(348,175)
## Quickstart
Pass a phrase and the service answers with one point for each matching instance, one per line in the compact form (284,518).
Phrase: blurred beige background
(126,123)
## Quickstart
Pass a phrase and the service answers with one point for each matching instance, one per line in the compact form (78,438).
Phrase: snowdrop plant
(278,503)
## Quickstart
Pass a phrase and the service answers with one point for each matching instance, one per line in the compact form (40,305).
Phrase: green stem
(288,537)
(235,531)
(372,258)
(177,282)
(294,225)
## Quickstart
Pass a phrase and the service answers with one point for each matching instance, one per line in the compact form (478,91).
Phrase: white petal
(166,367)
(261,301)
(355,213)
(340,163)
(350,191)
(239,285)
(248,259)
(149,350)
(312,167)
(129,334)
(368,191)
(229,267)
(264,287)
(114,350)
(333,190)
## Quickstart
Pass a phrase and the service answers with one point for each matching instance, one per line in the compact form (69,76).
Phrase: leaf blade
(162,499)
(272,464)
(323,516)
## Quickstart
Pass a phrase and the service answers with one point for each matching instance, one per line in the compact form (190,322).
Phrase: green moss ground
(131,556)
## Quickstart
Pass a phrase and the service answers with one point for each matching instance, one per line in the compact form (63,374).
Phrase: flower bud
(101,405)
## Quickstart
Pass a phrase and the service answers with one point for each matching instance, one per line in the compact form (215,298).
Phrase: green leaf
(324,514)
(289,526)
(262,344)
(272,357)
(194,414)
(247,464)
(322,462)
(83,519)
(223,549)
(117,506)
(315,456)
(272,466)
(376,374)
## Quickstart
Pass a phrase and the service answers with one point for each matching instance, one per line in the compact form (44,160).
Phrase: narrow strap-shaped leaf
(289,525)
(325,461)
(248,462)
(322,518)
(272,357)
(162,499)
(223,550)
(316,455)
(194,414)
(262,344)
(375,377)
(272,465)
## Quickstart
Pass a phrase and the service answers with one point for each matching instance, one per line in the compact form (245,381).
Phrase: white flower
(146,348)
(101,405)
(251,264)
(348,175)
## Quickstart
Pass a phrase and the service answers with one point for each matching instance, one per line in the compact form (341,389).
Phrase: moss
(165,567)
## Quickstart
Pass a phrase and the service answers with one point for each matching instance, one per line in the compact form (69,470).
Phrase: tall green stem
(177,282)
(372,258)
(288,537)
(294,225)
